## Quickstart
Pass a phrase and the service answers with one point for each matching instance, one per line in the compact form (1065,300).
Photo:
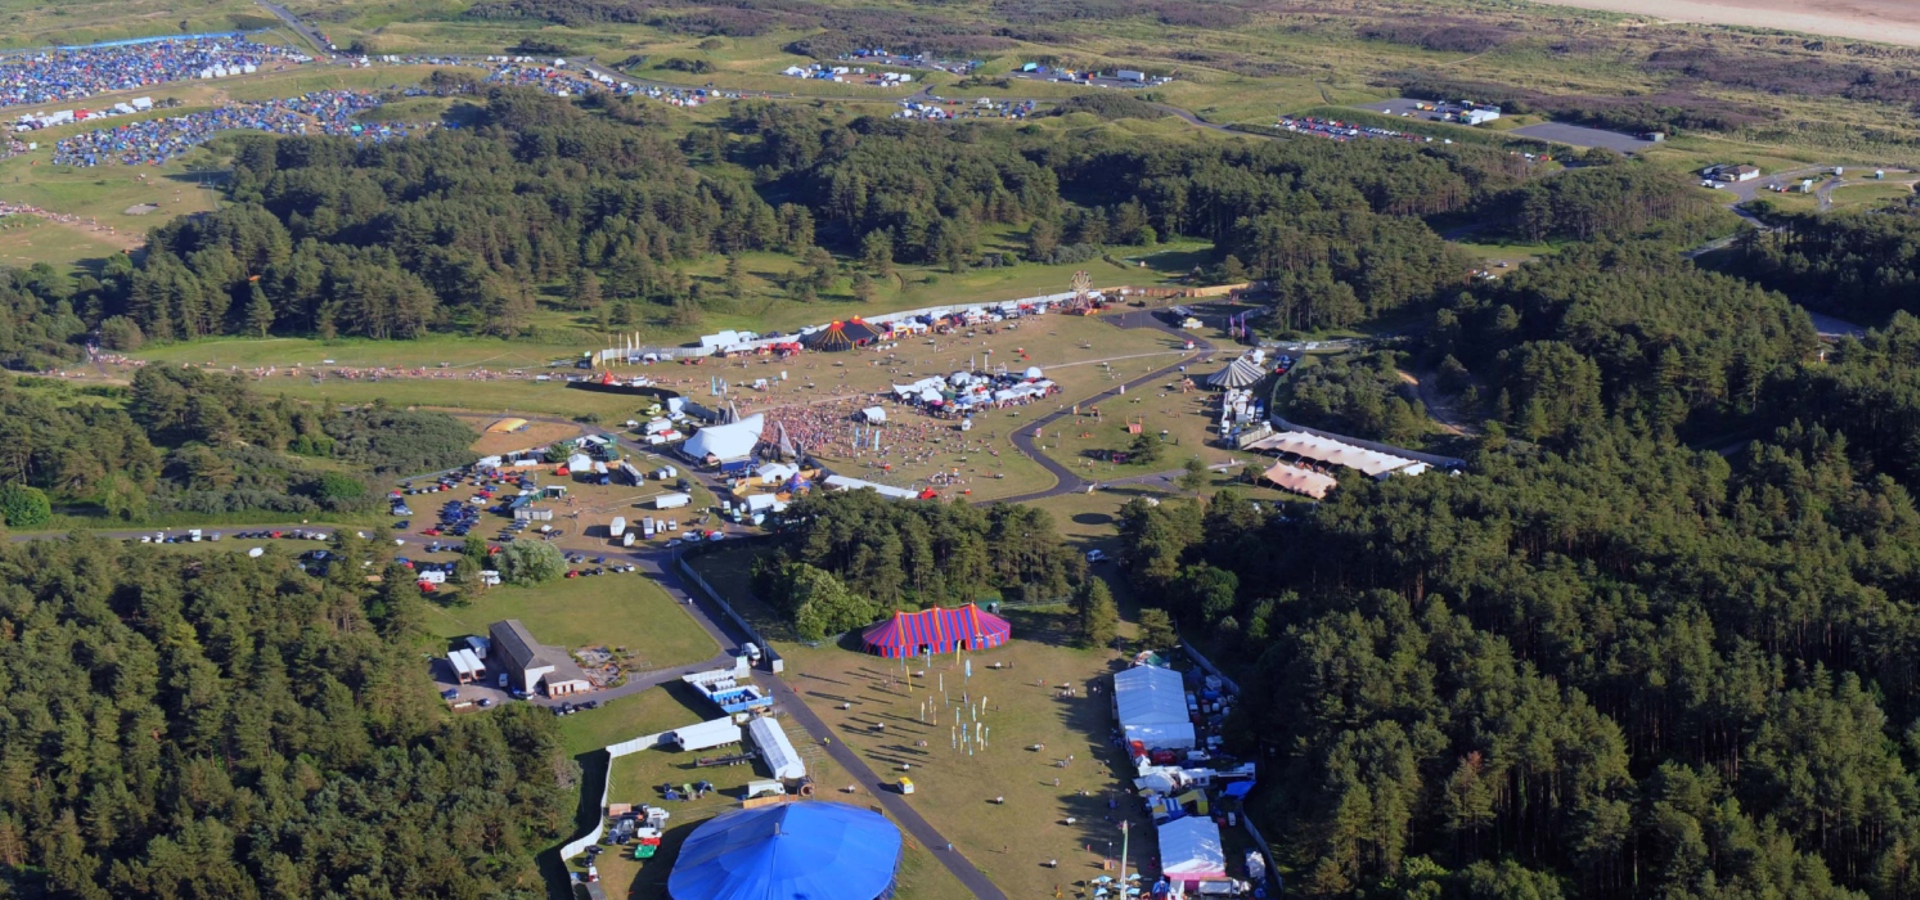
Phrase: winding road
(1066,480)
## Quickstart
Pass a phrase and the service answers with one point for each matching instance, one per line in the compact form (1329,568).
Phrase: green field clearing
(28,239)
(32,23)
(609,610)
(1012,841)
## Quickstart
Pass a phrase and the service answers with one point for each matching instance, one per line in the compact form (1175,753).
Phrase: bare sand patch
(1885,21)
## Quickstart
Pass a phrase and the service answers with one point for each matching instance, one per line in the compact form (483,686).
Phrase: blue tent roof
(794,851)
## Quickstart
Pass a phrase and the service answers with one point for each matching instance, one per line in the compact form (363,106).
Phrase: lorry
(618,527)
(671,501)
(646,527)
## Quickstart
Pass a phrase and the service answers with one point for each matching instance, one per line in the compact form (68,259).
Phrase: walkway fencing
(613,751)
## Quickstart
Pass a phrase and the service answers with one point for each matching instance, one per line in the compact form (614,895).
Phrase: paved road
(1066,480)
(303,29)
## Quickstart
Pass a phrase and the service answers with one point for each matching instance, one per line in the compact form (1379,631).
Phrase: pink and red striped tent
(940,630)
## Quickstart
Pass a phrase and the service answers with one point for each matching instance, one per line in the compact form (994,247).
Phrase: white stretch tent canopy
(874,414)
(1150,695)
(1337,453)
(1163,736)
(1300,481)
(775,750)
(726,442)
(843,483)
(1191,852)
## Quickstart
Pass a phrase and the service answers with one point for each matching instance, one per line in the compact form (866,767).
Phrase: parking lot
(1398,106)
(1582,136)
(1555,132)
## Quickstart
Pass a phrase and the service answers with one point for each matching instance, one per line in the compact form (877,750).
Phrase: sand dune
(1886,21)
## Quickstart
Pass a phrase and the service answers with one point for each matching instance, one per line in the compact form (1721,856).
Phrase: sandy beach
(1885,21)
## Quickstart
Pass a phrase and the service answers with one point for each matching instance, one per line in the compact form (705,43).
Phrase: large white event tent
(1151,704)
(1300,481)
(727,444)
(1337,453)
(1191,852)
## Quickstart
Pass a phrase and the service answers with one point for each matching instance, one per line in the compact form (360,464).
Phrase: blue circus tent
(809,850)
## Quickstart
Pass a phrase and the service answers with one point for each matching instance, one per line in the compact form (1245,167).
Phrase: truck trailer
(618,527)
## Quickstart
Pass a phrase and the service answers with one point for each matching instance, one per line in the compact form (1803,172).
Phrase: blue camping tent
(816,850)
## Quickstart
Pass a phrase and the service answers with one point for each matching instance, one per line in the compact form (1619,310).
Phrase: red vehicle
(426,587)
(431,532)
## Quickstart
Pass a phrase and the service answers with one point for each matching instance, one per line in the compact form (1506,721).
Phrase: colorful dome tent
(860,332)
(818,850)
(939,630)
(831,339)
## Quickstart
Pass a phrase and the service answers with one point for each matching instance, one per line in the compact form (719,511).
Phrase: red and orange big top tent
(939,630)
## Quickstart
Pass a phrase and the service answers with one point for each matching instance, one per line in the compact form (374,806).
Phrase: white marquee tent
(1337,453)
(1151,702)
(1191,851)
(775,750)
(726,442)
(1300,481)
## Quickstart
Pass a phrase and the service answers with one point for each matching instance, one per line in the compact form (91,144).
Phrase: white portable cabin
(706,735)
(618,527)
(775,749)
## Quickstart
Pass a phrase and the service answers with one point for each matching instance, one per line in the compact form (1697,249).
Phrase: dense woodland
(1859,265)
(846,559)
(1657,641)
(187,441)
(231,727)
(1361,394)
(604,209)
(1625,330)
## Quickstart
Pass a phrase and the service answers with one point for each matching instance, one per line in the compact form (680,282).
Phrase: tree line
(846,559)
(233,727)
(184,440)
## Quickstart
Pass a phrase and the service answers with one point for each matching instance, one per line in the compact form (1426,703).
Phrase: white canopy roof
(1332,452)
(774,471)
(1162,735)
(874,414)
(727,442)
(1300,481)
(777,752)
(843,483)
(1190,850)
(1149,695)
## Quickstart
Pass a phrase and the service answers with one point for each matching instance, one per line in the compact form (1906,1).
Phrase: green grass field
(32,23)
(1011,841)
(612,611)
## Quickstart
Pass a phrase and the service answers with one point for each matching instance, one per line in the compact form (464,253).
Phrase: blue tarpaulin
(1239,789)
(816,850)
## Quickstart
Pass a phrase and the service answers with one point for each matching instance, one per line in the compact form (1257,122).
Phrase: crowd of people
(70,73)
(154,141)
(832,430)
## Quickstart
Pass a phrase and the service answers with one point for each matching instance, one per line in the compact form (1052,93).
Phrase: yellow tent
(505,426)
